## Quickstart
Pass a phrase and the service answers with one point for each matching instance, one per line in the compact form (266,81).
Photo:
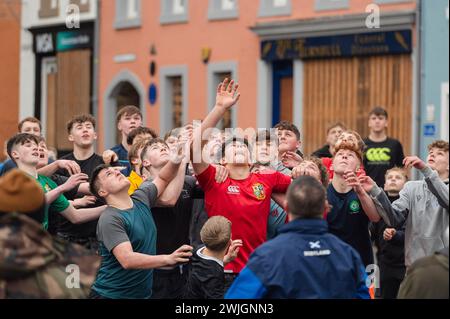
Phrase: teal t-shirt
(59,205)
(137,226)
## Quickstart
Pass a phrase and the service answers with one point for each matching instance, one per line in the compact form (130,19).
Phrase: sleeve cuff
(427,171)
(375,191)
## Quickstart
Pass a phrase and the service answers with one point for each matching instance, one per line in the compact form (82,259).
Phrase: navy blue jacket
(122,154)
(303,261)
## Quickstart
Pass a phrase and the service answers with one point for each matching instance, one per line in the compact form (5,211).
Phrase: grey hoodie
(423,205)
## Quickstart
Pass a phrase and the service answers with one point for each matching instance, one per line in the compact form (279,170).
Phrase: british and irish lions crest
(258,190)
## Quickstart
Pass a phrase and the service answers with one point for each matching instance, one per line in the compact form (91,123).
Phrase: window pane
(132,9)
(178,7)
(177,101)
(228,4)
(279,3)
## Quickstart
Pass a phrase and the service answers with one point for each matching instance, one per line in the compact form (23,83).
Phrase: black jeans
(169,284)
(390,280)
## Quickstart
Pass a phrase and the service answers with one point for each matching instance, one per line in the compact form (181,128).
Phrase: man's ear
(102,193)
(70,137)
(15,155)
(146,163)
(95,136)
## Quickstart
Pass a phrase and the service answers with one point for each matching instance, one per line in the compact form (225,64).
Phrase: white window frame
(166,105)
(169,17)
(123,20)
(216,11)
(267,8)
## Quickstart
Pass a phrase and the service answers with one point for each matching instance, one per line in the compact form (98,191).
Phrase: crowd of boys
(204,213)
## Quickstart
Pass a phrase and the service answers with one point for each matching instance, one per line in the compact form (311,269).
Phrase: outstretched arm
(227,96)
(170,196)
(395,214)
(169,171)
(70,166)
(71,183)
(173,190)
(129,259)
(80,216)
(434,183)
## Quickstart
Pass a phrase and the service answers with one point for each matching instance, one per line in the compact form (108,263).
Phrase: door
(282,92)
(347,89)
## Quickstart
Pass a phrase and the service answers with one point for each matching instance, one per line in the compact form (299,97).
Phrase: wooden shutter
(347,89)
(73,91)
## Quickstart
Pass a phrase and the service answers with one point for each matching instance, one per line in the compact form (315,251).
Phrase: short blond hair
(400,170)
(216,233)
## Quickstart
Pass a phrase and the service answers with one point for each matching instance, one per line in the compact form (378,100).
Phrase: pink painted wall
(181,44)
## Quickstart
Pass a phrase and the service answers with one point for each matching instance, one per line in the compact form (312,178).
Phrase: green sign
(71,40)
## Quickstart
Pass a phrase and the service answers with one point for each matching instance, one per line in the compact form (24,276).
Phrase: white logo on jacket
(314,244)
(233,190)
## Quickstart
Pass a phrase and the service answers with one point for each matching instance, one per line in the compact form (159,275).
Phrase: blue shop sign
(339,46)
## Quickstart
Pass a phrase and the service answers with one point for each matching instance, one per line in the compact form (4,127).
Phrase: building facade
(312,62)
(57,64)
(9,75)
(434,76)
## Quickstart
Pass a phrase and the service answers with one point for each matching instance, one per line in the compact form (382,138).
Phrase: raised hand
(84,201)
(186,134)
(181,255)
(414,161)
(178,154)
(304,169)
(291,159)
(353,181)
(227,94)
(71,166)
(109,157)
(233,251)
(74,181)
(367,183)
